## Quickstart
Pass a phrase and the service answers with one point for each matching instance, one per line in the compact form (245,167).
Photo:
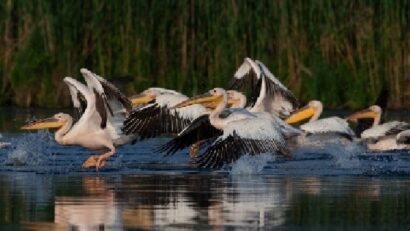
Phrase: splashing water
(31,149)
(346,155)
(251,165)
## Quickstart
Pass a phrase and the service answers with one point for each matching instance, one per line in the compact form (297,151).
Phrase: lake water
(43,187)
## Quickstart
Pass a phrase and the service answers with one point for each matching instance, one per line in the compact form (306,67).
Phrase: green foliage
(340,52)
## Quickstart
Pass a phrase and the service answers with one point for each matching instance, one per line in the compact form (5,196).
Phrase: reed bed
(340,52)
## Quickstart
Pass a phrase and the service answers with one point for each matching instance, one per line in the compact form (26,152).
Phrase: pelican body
(242,132)
(319,130)
(200,129)
(392,135)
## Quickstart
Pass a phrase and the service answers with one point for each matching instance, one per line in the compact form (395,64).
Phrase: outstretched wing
(152,121)
(110,104)
(156,119)
(232,147)
(268,94)
(278,100)
(113,92)
(248,78)
(198,130)
(248,136)
(78,99)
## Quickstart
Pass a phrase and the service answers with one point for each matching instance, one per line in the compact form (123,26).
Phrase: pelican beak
(141,99)
(206,100)
(301,114)
(43,124)
(363,114)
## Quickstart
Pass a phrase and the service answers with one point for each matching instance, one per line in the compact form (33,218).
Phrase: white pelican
(159,116)
(242,132)
(100,122)
(155,118)
(200,129)
(382,137)
(268,93)
(327,126)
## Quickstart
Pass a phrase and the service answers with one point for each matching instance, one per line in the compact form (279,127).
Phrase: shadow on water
(43,187)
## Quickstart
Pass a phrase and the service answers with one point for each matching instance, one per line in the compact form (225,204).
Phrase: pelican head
(56,121)
(312,110)
(373,112)
(211,98)
(236,99)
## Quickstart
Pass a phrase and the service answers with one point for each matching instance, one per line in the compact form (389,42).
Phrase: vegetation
(340,52)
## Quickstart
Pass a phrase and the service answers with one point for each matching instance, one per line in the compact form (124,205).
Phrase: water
(43,187)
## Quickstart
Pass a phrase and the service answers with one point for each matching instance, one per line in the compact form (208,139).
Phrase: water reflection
(100,202)
(98,209)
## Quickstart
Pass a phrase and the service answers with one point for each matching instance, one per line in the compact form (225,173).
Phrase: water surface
(43,187)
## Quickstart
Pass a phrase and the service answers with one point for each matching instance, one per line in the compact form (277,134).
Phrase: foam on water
(31,149)
(250,165)
(39,153)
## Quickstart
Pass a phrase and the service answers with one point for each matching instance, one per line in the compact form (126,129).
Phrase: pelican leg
(102,159)
(91,161)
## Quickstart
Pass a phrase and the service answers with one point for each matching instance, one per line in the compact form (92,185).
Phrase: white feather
(381,129)
(270,76)
(331,124)
(247,65)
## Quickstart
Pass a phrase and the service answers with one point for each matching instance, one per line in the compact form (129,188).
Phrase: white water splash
(251,165)
(345,155)
(31,149)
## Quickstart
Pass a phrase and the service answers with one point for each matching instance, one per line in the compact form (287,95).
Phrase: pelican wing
(198,130)
(248,136)
(157,119)
(268,94)
(78,99)
(111,108)
(278,99)
(248,76)
(389,128)
(328,125)
(152,121)
(113,92)
(101,101)
(89,117)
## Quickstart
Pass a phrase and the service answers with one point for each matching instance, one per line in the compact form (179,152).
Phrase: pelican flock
(215,128)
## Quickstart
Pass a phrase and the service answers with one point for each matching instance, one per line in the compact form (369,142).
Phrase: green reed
(340,52)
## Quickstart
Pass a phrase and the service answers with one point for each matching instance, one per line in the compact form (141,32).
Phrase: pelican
(200,129)
(100,122)
(272,100)
(159,115)
(332,125)
(382,137)
(155,118)
(268,93)
(242,132)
